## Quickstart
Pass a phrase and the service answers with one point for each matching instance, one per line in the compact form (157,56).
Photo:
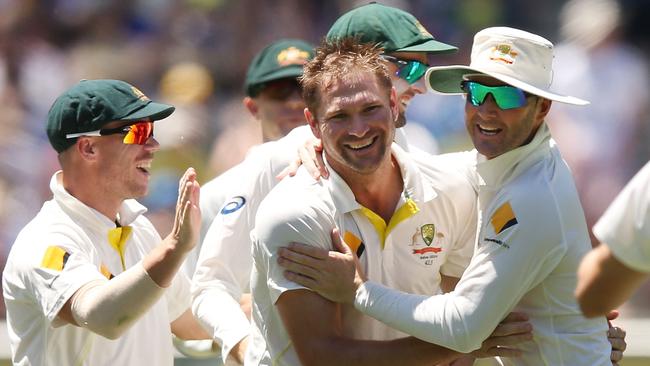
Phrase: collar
(344,199)
(505,167)
(88,216)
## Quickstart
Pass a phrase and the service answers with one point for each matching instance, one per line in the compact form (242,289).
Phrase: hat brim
(431,46)
(293,71)
(447,80)
(152,111)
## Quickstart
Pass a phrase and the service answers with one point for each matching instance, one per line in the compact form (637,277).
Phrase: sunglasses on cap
(137,133)
(409,70)
(506,97)
(279,90)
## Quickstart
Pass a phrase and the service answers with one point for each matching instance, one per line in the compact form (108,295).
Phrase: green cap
(279,60)
(393,29)
(91,104)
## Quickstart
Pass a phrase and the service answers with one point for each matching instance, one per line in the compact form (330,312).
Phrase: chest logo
(428,232)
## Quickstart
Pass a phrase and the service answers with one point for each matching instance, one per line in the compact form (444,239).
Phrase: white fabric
(625,226)
(109,308)
(34,295)
(228,205)
(302,210)
(518,58)
(529,266)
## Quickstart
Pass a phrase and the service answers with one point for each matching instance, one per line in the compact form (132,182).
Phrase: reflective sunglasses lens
(412,71)
(139,133)
(506,97)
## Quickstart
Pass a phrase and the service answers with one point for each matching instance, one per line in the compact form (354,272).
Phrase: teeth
(360,145)
(488,130)
(144,165)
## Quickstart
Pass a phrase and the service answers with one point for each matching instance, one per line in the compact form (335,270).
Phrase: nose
(152,144)
(358,127)
(489,106)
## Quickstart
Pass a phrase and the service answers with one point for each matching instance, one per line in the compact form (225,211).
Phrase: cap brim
(431,46)
(447,80)
(284,73)
(153,111)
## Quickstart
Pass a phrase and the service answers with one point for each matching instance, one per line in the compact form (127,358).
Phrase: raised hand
(187,220)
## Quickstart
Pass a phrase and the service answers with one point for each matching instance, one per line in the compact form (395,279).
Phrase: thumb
(613,315)
(338,242)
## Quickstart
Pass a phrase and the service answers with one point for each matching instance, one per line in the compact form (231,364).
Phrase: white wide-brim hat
(518,58)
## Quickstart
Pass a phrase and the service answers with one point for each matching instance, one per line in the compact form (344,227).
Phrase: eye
(371,108)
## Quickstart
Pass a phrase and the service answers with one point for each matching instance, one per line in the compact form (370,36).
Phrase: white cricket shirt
(431,232)
(625,226)
(64,247)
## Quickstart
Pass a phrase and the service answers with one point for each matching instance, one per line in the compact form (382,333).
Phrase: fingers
(616,356)
(515,316)
(301,280)
(613,314)
(512,328)
(290,170)
(298,268)
(322,168)
(338,243)
(503,352)
(308,250)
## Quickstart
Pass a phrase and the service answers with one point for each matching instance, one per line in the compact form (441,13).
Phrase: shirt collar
(88,216)
(344,199)
(503,168)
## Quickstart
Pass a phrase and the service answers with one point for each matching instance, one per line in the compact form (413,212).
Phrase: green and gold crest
(428,233)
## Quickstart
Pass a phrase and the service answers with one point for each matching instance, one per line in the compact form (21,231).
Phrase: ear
(394,107)
(251,105)
(544,106)
(86,148)
(313,123)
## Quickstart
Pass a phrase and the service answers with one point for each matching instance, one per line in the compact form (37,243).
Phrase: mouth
(488,131)
(361,145)
(144,166)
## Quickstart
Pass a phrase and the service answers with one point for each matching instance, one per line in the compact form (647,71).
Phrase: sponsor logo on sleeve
(354,242)
(233,205)
(55,258)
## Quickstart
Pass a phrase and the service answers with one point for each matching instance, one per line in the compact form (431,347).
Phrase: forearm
(164,261)
(220,314)
(601,273)
(435,319)
(403,351)
(110,308)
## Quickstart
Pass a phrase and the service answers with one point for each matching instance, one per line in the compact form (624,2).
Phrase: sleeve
(222,275)
(507,264)
(178,296)
(224,264)
(296,222)
(465,210)
(59,266)
(625,226)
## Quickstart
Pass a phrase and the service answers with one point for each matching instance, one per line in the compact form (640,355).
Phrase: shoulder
(296,207)
(451,175)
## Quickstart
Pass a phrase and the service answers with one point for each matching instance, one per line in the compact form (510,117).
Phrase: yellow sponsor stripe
(503,218)
(53,258)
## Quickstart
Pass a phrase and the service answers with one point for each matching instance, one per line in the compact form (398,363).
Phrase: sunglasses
(409,70)
(280,90)
(137,133)
(506,97)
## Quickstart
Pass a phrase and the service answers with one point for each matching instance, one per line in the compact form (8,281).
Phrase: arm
(222,278)
(109,308)
(313,324)
(187,327)
(601,273)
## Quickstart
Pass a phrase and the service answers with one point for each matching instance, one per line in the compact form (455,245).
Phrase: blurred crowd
(194,54)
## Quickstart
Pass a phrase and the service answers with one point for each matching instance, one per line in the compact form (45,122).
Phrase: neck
(379,191)
(88,190)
